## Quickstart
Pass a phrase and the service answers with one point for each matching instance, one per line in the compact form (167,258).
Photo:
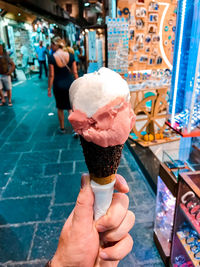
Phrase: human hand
(8,73)
(115,241)
(49,92)
(79,240)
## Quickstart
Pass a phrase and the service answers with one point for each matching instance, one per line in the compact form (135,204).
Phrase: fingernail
(122,180)
(103,255)
(85,180)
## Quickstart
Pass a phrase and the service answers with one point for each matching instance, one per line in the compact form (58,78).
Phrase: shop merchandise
(118,41)
(153,17)
(140,12)
(140,1)
(154,79)
(153,6)
(164,211)
(145,19)
(139,24)
(92,45)
(186,236)
(182,119)
(103,117)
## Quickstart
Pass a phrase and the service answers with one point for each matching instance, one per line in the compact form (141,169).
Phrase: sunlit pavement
(40,172)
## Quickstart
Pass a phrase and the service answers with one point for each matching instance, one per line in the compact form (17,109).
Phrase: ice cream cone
(102,162)
(103,118)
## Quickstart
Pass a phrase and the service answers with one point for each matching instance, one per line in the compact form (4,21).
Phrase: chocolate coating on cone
(101,161)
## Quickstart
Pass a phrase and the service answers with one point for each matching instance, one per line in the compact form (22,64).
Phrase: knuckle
(111,223)
(131,218)
(130,242)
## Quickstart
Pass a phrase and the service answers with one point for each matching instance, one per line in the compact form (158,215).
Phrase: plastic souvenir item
(126,11)
(187,196)
(103,118)
(166,28)
(179,260)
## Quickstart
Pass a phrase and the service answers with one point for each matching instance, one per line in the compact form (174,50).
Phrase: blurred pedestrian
(25,56)
(68,47)
(82,59)
(76,56)
(7,66)
(41,56)
(62,71)
(48,50)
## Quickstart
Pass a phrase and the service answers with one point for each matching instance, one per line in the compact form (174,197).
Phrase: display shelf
(163,246)
(193,180)
(193,133)
(190,218)
(169,179)
(188,182)
(187,250)
(155,142)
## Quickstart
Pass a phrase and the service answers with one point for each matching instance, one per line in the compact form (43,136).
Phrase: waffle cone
(102,162)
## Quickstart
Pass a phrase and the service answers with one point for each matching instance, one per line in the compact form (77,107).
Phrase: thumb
(83,211)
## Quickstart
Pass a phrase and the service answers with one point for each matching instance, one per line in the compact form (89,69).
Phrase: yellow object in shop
(157,136)
(146,137)
(151,137)
(161,136)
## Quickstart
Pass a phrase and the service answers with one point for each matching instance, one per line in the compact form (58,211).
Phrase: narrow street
(40,171)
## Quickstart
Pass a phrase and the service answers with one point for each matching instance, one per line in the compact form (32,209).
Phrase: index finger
(121,184)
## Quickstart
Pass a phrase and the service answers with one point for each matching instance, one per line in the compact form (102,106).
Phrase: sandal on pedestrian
(10,104)
(2,103)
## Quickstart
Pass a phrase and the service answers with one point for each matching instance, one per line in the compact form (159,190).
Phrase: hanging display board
(92,45)
(152,26)
(118,44)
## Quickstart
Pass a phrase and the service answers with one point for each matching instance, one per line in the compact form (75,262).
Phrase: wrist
(48,264)
(55,262)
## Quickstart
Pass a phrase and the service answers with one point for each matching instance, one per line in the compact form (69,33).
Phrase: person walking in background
(77,56)
(68,47)
(82,59)
(25,56)
(41,56)
(48,50)
(62,71)
(7,66)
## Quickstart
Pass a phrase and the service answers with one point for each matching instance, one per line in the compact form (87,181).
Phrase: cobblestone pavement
(40,172)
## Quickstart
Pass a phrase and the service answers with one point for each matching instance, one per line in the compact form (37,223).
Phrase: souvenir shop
(22,31)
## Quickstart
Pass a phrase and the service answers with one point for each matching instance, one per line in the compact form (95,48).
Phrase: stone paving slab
(40,176)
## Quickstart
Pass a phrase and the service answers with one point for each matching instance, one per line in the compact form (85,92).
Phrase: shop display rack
(190,218)
(167,186)
(184,132)
(186,232)
(186,247)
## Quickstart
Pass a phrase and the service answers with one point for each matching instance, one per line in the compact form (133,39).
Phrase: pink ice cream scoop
(101,109)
